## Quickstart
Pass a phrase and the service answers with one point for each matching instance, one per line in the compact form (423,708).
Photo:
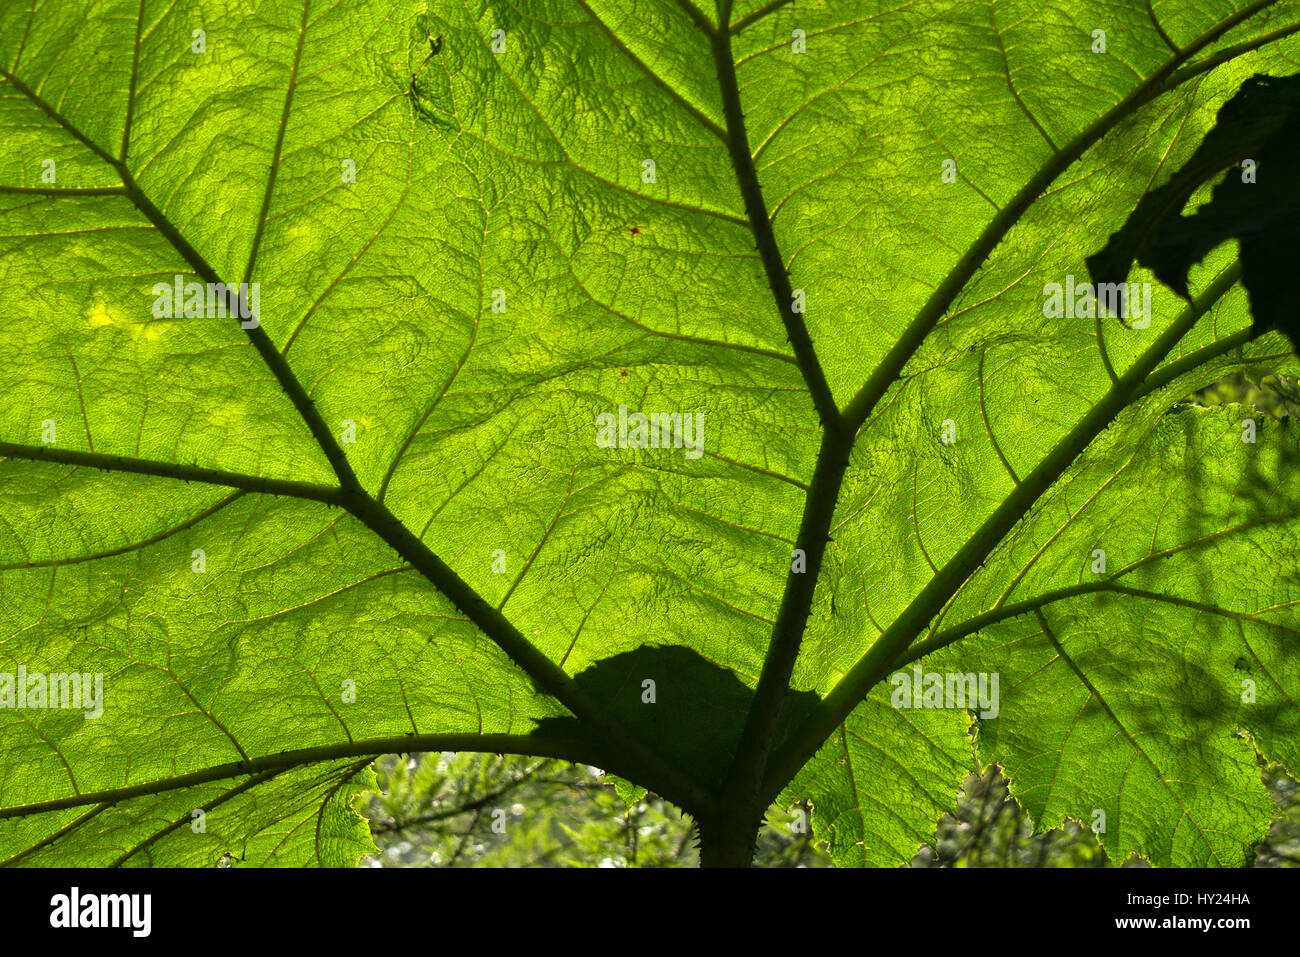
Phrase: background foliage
(435,811)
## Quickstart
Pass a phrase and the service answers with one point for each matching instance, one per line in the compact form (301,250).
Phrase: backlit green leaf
(399,492)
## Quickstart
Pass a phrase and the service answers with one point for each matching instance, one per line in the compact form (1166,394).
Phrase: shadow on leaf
(693,713)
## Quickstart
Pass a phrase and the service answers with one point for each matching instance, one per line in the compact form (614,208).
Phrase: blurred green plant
(437,810)
(476,810)
(1277,396)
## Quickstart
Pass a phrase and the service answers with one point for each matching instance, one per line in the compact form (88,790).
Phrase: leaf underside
(383,516)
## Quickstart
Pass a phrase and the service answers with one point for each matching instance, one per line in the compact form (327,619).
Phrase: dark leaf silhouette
(1257,133)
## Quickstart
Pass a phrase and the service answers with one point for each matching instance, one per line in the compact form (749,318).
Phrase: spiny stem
(329,494)
(761,725)
(761,226)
